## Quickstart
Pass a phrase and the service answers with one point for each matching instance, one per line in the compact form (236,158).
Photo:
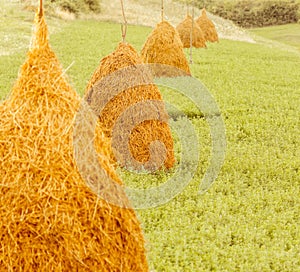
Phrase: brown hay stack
(143,133)
(184,30)
(208,28)
(50,220)
(164,46)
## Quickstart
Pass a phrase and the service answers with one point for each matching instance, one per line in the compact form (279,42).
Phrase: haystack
(184,30)
(144,132)
(50,220)
(164,46)
(208,28)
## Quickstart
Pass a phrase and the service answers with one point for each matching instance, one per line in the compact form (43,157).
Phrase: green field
(286,34)
(249,220)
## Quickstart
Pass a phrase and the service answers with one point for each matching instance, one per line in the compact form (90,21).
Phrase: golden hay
(184,30)
(50,219)
(208,28)
(143,133)
(164,46)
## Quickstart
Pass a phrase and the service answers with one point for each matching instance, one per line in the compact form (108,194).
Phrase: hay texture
(184,30)
(50,220)
(208,28)
(143,133)
(164,46)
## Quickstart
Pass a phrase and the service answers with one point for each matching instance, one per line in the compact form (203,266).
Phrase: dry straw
(164,46)
(50,219)
(184,29)
(208,28)
(143,133)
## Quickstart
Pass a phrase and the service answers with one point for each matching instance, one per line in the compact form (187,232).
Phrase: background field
(250,218)
(286,34)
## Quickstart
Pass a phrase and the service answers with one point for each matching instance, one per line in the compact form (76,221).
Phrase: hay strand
(184,29)
(208,28)
(191,37)
(124,25)
(164,46)
(113,107)
(41,10)
(50,219)
(162,11)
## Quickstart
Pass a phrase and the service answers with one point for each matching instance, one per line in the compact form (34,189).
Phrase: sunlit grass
(286,34)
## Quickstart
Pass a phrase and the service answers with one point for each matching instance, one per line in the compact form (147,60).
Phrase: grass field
(249,220)
(287,34)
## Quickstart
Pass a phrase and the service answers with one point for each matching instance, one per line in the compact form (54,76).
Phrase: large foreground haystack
(184,30)
(49,219)
(208,28)
(130,95)
(164,46)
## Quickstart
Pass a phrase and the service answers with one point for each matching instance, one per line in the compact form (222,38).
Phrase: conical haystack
(164,46)
(184,30)
(49,219)
(143,133)
(208,28)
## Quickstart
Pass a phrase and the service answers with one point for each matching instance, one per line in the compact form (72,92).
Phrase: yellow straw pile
(143,133)
(184,30)
(208,28)
(49,219)
(164,46)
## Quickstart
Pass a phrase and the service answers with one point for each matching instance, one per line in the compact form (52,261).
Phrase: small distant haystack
(164,46)
(208,28)
(50,220)
(143,132)
(184,30)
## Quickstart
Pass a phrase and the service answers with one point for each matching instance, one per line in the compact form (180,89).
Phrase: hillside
(148,13)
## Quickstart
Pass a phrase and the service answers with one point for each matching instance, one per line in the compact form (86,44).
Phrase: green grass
(286,34)
(250,219)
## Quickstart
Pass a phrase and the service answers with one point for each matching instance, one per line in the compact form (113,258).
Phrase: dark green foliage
(248,13)
(94,5)
(79,6)
(70,6)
